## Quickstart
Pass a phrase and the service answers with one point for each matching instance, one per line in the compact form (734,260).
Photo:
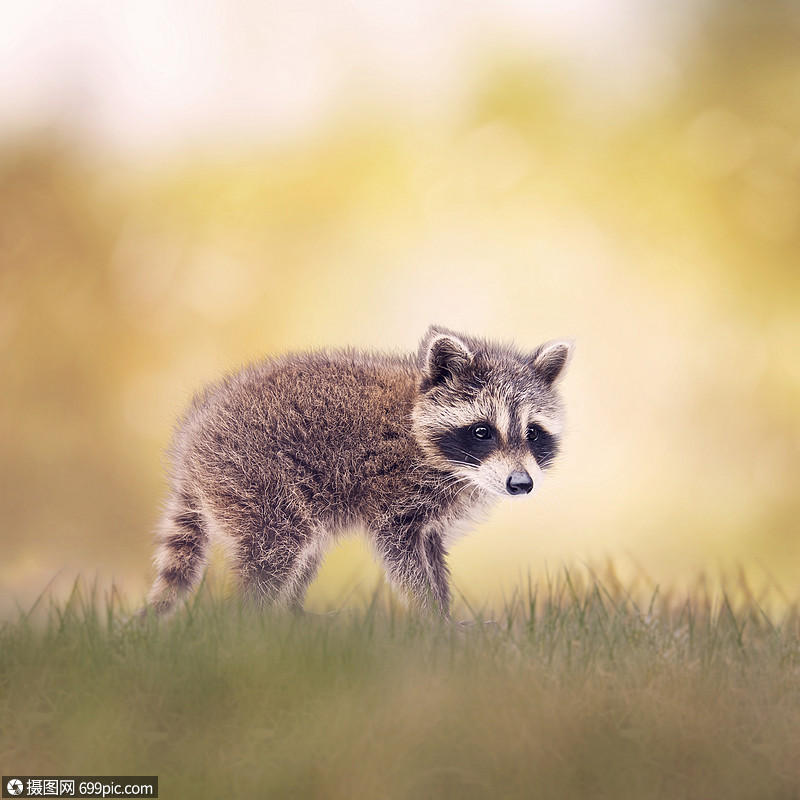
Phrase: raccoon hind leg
(181,553)
(276,570)
(306,569)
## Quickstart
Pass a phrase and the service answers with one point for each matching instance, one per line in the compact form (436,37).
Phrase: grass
(571,690)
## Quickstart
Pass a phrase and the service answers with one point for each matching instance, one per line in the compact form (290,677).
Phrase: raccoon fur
(277,460)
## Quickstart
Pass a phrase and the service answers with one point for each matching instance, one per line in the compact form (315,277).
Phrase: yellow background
(182,191)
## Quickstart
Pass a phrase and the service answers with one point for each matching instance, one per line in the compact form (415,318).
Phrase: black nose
(519,483)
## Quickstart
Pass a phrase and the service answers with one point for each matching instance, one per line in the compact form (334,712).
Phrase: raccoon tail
(181,554)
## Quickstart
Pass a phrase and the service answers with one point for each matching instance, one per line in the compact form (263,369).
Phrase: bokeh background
(185,187)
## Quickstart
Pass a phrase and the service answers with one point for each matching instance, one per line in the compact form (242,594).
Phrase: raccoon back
(332,428)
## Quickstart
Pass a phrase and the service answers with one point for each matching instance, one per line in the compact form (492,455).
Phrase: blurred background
(185,187)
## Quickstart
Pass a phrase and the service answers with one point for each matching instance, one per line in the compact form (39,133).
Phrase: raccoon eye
(481,431)
(533,433)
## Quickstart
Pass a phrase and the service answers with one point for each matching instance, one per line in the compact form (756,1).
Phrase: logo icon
(14,787)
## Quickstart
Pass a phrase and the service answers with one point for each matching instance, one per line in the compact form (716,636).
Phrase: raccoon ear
(444,356)
(551,359)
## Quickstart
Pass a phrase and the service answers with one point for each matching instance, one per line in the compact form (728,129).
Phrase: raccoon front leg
(436,565)
(415,565)
(181,553)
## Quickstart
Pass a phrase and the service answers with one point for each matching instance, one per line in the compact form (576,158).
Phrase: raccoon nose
(519,483)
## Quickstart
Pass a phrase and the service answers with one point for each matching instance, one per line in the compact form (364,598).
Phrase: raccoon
(277,460)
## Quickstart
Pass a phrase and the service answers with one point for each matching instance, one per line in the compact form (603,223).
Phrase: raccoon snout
(519,483)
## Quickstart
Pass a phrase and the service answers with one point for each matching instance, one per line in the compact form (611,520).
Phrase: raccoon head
(489,414)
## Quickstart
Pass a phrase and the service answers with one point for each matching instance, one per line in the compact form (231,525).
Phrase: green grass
(572,690)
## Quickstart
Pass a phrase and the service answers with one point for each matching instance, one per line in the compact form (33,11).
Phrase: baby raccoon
(278,459)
